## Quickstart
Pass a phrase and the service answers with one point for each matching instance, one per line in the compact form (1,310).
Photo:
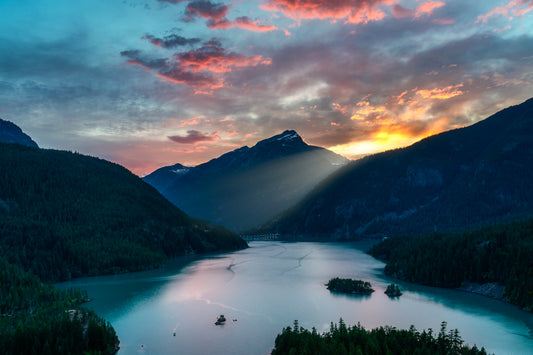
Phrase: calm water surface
(265,288)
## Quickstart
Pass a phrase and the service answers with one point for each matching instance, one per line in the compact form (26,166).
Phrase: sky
(150,83)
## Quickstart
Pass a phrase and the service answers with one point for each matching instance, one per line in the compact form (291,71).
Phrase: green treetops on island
(393,290)
(349,286)
(342,339)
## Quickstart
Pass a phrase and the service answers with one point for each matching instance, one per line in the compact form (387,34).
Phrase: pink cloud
(212,57)
(427,8)
(424,9)
(252,25)
(513,8)
(353,11)
(202,69)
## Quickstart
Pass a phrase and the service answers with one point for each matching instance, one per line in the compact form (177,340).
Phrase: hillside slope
(461,178)
(66,215)
(246,187)
(11,133)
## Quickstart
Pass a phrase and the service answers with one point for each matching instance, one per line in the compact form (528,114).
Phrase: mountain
(246,187)
(66,215)
(458,179)
(11,133)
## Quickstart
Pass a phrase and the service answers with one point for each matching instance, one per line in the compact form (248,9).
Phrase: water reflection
(266,287)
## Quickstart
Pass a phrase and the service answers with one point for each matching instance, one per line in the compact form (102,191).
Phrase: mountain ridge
(247,186)
(464,177)
(11,133)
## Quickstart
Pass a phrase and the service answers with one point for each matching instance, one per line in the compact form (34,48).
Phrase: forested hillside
(39,319)
(65,215)
(500,254)
(459,179)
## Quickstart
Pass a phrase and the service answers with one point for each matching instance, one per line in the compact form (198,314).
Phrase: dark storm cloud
(135,57)
(207,9)
(194,137)
(171,41)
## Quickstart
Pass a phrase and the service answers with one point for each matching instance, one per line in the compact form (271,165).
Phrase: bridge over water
(261,237)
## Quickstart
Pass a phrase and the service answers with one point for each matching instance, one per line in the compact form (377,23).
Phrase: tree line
(500,253)
(36,318)
(356,340)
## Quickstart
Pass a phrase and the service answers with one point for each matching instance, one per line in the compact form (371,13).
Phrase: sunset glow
(148,83)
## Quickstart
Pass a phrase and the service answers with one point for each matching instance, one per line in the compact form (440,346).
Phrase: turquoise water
(265,288)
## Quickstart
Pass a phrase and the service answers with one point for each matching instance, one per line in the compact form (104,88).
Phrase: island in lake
(357,287)
(393,290)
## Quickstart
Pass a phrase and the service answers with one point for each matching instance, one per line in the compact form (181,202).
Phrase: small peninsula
(354,287)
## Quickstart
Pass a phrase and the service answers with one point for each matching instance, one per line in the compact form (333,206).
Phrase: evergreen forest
(65,215)
(36,318)
(500,254)
(356,340)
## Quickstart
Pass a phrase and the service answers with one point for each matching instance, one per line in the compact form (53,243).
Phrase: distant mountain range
(248,186)
(11,133)
(65,215)
(459,179)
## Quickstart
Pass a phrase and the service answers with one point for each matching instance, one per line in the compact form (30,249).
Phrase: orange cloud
(338,107)
(366,111)
(441,94)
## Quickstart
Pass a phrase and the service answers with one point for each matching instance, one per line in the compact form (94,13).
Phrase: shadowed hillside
(66,215)
(461,178)
(246,187)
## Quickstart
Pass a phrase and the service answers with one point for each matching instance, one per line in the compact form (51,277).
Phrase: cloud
(136,58)
(171,41)
(214,58)
(513,8)
(203,68)
(207,9)
(252,25)
(441,93)
(216,15)
(352,11)
(194,137)
(172,1)
(424,9)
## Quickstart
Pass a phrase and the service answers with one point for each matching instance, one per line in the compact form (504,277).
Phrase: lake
(265,288)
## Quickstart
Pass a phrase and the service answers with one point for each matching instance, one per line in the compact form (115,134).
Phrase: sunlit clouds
(510,10)
(202,68)
(148,83)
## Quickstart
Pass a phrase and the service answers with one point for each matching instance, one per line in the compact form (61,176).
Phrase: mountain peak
(288,138)
(288,135)
(11,133)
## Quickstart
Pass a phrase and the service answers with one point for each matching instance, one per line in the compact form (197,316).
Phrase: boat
(221,320)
